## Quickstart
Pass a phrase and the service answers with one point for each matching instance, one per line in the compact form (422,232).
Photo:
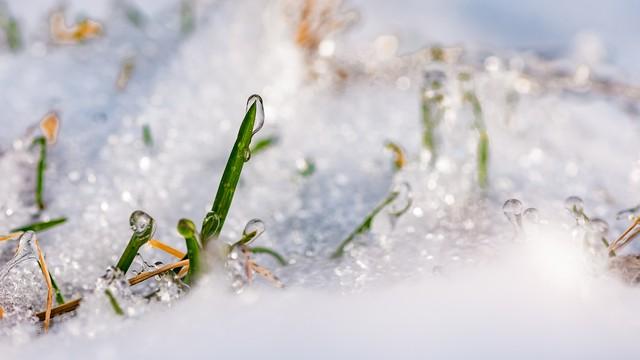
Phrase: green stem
(147,137)
(41,226)
(264,250)
(187,229)
(214,220)
(114,303)
(264,144)
(59,298)
(483,159)
(42,165)
(364,226)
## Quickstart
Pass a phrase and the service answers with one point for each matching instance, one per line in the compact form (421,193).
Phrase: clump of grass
(399,196)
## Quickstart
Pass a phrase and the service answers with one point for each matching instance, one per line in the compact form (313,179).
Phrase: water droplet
(599,226)
(259,121)
(26,251)
(574,204)
(401,201)
(531,215)
(628,214)
(253,229)
(247,155)
(139,221)
(512,209)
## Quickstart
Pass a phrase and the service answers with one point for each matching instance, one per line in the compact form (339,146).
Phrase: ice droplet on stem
(259,121)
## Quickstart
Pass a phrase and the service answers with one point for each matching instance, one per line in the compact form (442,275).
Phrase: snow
(449,280)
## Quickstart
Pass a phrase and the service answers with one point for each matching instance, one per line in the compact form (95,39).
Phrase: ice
(439,274)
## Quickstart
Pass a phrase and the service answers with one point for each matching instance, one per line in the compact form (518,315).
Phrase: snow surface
(448,281)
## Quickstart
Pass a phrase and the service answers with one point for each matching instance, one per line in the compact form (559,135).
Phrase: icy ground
(447,281)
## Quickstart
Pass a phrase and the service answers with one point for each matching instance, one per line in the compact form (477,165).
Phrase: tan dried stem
(166,248)
(149,274)
(47,279)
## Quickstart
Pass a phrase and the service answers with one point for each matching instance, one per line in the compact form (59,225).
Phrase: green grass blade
(41,226)
(147,137)
(264,250)
(13,34)
(40,141)
(187,229)
(114,303)
(364,226)
(483,159)
(240,153)
(59,298)
(263,144)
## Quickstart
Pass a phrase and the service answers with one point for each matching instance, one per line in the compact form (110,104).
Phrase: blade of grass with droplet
(214,220)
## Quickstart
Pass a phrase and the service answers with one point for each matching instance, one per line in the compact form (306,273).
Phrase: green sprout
(240,153)
(432,109)
(187,229)
(40,141)
(12,32)
(264,250)
(114,303)
(400,194)
(134,15)
(59,298)
(187,16)
(306,167)
(264,143)
(470,97)
(147,137)
(143,227)
(41,226)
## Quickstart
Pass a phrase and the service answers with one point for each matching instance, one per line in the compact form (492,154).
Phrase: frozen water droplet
(247,155)
(574,204)
(139,221)
(599,226)
(628,214)
(401,201)
(512,209)
(259,122)
(26,251)
(531,215)
(253,229)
